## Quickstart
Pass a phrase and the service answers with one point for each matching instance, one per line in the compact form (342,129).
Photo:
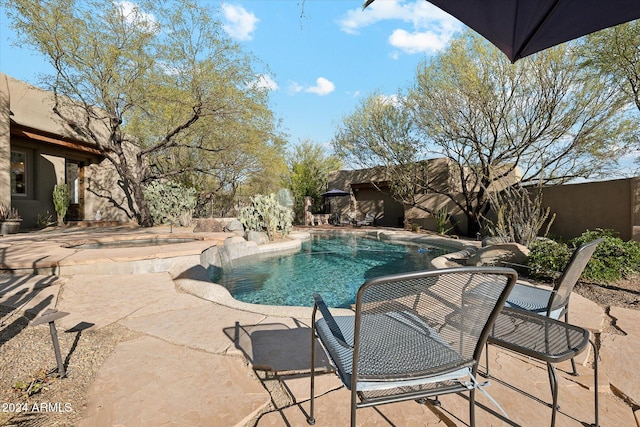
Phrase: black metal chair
(413,336)
(553,303)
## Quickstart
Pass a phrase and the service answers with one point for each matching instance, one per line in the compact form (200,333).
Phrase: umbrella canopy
(335,193)
(523,27)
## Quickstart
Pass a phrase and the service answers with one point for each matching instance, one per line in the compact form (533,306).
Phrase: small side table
(545,339)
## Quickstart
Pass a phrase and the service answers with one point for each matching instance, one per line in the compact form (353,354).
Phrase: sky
(323,56)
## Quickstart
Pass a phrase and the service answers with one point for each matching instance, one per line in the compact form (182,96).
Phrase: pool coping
(197,280)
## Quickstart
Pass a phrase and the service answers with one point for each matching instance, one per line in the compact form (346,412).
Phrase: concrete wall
(436,201)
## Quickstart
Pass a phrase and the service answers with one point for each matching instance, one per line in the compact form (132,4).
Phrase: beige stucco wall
(5,142)
(436,201)
(102,179)
(587,206)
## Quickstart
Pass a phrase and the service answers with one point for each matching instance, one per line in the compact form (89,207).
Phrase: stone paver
(620,354)
(280,346)
(207,327)
(104,299)
(148,382)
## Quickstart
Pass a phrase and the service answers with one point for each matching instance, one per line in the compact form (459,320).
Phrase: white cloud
(417,42)
(322,87)
(264,81)
(240,24)
(431,28)
(295,87)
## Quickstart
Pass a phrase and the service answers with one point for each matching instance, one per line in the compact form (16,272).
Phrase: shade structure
(335,193)
(523,27)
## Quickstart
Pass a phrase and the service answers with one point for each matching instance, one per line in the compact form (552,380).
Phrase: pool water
(334,267)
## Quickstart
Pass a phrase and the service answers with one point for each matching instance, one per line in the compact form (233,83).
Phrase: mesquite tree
(541,120)
(157,87)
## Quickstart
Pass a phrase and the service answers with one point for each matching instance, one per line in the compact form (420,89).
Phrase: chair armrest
(331,322)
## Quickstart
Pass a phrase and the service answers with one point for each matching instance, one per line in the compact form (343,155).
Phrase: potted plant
(10,219)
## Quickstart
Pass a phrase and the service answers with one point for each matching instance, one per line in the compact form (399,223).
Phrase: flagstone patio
(186,360)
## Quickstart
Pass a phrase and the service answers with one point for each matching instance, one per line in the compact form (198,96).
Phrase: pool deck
(197,362)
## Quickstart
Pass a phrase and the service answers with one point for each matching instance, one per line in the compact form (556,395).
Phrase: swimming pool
(333,266)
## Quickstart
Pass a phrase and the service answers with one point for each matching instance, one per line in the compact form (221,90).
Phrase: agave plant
(7,212)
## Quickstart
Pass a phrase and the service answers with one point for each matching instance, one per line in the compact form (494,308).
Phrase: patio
(161,356)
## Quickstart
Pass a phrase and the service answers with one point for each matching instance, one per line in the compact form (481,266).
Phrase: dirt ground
(625,293)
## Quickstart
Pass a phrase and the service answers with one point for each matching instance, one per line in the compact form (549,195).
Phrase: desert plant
(442,217)
(61,201)
(168,201)
(284,198)
(44,220)
(520,216)
(7,212)
(266,214)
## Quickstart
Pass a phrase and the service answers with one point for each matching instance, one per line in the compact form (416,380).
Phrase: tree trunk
(143,214)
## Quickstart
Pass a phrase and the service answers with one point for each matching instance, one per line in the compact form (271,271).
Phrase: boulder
(498,254)
(237,247)
(455,259)
(257,236)
(234,225)
(208,225)
(493,240)
(185,219)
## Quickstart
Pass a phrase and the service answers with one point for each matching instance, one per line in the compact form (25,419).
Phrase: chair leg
(553,379)
(353,407)
(472,407)
(486,356)
(311,419)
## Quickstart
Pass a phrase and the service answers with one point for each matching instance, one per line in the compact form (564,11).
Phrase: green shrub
(547,257)
(614,259)
(168,201)
(266,214)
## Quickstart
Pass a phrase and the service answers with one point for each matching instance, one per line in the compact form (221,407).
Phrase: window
(18,173)
(73,181)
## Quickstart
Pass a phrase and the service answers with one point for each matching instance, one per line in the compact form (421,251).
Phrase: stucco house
(369,194)
(39,150)
(612,205)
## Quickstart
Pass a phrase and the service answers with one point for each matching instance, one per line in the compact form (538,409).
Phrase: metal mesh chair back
(422,324)
(562,291)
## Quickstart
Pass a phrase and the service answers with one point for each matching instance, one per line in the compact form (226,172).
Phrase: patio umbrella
(523,27)
(335,193)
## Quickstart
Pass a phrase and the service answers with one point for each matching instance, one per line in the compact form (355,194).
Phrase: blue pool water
(334,267)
